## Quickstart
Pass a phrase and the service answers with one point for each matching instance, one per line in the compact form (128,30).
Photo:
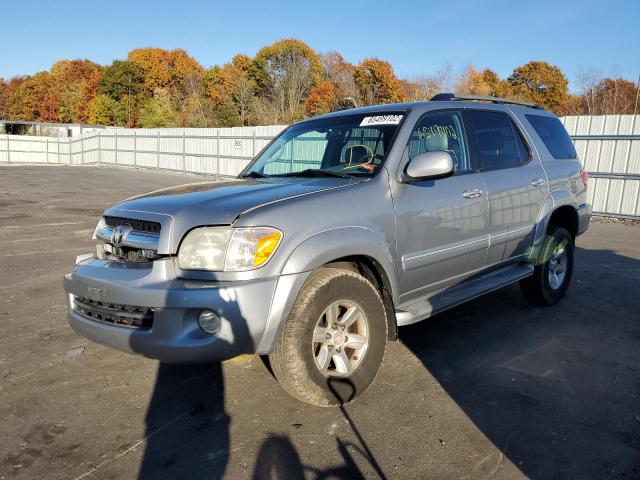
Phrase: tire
(556,252)
(299,358)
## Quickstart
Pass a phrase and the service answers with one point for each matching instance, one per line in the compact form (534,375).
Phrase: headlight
(204,248)
(228,249)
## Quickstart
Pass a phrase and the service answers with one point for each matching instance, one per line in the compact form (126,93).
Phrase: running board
(424,307)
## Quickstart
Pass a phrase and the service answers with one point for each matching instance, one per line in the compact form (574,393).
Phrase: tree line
(284,82)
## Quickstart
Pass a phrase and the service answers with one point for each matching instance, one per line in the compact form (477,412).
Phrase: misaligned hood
(217,203)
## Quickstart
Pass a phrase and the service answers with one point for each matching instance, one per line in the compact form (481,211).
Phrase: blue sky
(417,37)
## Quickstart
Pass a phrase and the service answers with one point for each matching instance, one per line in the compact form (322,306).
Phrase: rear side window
(554,136)
(500,144)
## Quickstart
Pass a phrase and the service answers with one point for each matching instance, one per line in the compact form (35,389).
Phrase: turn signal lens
(251,247)
(266,246)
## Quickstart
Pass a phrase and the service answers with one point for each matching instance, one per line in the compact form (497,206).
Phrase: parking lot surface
(494,388)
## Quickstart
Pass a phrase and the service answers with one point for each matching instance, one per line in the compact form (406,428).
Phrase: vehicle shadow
(187,427)
(555,389)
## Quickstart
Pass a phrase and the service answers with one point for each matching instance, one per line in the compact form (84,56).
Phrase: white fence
(223,151)
(608,145)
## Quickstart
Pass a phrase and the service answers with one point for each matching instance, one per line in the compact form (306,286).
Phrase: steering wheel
(365,162)
(369,155)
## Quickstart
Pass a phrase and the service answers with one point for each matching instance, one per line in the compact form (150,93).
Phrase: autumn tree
(232,90)
(106,110)
(322,98)
(284,74)
(611,96)
(421,88)
(35,99)
(88,91)
(6,95)
(157,111)
(4,98)
(70,78)
(377,83)
(340,73)
(541,83)
(483,82)
(122,82)
(167,69)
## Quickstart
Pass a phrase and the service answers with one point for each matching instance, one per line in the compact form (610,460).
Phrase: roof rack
(445,97)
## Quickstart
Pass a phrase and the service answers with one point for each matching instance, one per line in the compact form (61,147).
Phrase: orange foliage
(377,82)
(322,98)
(163,68)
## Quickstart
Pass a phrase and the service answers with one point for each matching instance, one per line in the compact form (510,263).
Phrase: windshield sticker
(381,120)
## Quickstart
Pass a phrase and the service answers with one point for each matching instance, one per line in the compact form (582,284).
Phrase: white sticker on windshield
(381,120)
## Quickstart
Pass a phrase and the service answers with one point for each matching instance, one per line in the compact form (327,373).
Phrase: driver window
(441,131)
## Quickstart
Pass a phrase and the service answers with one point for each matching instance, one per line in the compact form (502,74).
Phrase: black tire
(537,288)
(293,359)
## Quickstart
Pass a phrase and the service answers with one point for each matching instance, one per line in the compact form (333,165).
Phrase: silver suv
(344,228)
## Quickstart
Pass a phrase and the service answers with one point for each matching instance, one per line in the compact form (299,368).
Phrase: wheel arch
(355,248)
(559,208)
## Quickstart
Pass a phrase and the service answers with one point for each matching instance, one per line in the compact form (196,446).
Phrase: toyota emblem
(119,234)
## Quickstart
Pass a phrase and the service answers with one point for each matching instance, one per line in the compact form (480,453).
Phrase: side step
(424,307)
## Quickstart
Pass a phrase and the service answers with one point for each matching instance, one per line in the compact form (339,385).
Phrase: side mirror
(430,165)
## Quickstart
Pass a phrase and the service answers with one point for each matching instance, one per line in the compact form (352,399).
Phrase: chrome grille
(114,314)
(138,225)
(137,241)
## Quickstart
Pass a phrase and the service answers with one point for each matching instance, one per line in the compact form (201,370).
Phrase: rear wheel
(553,270)
(334,340)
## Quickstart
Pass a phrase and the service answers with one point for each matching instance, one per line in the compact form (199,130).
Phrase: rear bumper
(245,309)
(584,217)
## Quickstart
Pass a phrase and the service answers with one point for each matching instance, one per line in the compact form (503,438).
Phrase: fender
(554,200)
(315,251)
(340,242)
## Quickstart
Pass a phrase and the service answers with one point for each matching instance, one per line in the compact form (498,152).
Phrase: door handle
(538,182)
(472,193)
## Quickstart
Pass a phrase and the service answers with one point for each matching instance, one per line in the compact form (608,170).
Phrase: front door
(441,224)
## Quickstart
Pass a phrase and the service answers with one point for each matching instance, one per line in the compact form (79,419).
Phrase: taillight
(585,178)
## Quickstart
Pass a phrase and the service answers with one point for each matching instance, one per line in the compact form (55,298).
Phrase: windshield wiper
(313,172)
(254,174)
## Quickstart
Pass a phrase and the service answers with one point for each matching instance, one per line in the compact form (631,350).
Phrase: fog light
(209,322)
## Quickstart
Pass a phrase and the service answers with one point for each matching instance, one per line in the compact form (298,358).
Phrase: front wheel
(334,340)
(553,270)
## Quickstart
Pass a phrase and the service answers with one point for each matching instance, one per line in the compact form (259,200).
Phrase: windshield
(337,146)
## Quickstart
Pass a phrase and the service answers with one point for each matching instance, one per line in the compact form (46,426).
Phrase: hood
(216,203)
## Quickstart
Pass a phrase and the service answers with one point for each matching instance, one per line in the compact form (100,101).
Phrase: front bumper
(245,308)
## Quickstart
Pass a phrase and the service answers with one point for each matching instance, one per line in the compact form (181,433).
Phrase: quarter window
(553,135)
(441,131)
(500,144)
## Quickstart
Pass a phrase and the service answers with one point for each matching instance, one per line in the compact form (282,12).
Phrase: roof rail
(445,97)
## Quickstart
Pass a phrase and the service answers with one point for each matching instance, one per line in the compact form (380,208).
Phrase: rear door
(516,183)
(441,224)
